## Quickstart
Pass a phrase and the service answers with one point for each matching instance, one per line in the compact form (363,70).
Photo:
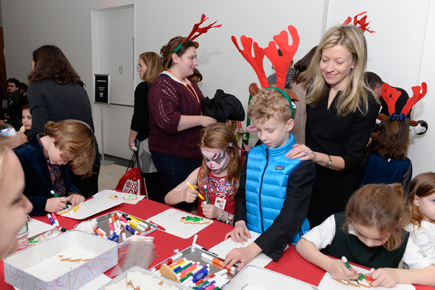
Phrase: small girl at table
(370,233)
(217,178)
(420,200)
(47,160)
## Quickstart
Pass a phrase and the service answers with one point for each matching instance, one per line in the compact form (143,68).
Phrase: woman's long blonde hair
(354,96)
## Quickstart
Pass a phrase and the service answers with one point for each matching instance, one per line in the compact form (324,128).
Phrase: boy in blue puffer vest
(274,191)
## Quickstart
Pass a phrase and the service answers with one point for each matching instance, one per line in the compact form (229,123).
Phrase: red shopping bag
(131,181)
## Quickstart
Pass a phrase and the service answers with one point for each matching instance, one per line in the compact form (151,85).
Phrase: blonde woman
(149,67)
(341,113)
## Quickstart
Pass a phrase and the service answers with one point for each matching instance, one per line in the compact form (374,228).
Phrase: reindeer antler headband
(280,63)
(391,95)
(361,22)
(199,30)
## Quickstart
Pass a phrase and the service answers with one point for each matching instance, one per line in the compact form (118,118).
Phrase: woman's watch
(329,161)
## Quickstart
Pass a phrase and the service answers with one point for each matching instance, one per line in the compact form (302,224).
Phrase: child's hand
(190,194)
(55,204)
(385,277)
(22,138)
(244,255)
(338,269)
(75,199)
(239,232)
(210,211)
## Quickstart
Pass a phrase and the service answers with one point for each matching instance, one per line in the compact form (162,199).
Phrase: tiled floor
(109,176)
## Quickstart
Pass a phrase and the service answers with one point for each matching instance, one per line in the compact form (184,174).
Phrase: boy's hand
(384,277)
(190,194)
(239,232)
(338,269)
(55,204)
(75,199)
(244,255)
(210,211)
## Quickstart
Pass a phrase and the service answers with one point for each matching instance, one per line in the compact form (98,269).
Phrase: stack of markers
(119,223)
(192,275)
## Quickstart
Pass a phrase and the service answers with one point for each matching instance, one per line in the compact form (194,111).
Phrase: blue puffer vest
(267,175)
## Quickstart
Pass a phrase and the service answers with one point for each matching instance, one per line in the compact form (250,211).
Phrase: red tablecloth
(290,263)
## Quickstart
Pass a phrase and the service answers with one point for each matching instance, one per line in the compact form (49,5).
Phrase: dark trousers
(173,171)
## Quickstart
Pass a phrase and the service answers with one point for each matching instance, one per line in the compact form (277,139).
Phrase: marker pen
(138,221)
(112,236)
(184,267)
(97,230)
(63,229)
(132,226)
(206,278)
(113,218)
(121,217)
(201,273)
(101,230)
(189,270)
(206,193)
(110,227)
(208,286)
(55,219)
(56,195)
(174,264)
(124,236)
(77,207)
(158,226)
(136,225)
(189,277)
(130,229)
(216,261)
(346,263)
(51,220)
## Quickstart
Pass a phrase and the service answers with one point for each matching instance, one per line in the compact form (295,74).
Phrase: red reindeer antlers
(257,61)
(417,96)
(199,30)
(280,64)
(362,22)
(390,95)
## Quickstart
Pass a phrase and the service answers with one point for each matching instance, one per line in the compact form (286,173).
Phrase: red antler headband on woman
(361,22)
(280,63)
(391,95)
(199,30)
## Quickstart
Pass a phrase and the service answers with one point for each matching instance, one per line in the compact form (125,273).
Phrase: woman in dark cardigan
(175,116)
(56,93)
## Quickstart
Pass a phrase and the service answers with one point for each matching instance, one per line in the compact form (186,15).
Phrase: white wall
(401,50)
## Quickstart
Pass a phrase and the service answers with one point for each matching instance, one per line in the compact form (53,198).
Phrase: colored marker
(206,193)
(110,227)
(139,227)
(55,195)
(51,220)
(169,261)
(191,186)
(346,263)
(138,221)
(175,263)
(122,218)
(123,235)
(188,269)
(130,229)
(55,219)
(216,261)
(208,286)
(63,229)
(76,208)
(112,236)
(206,279)
(97,230)
(158,226)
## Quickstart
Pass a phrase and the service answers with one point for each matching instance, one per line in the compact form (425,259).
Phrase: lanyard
(187,85)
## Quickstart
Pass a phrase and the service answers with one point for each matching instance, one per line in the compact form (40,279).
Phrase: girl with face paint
(218,177)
